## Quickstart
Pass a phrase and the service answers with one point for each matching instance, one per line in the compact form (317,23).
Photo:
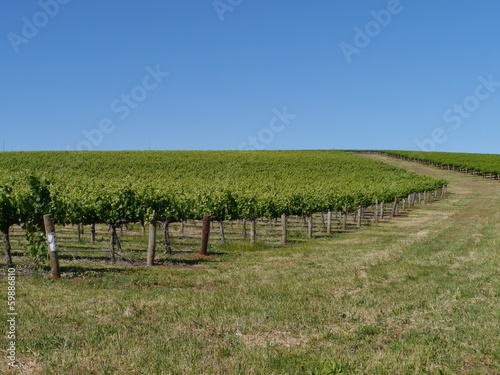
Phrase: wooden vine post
(152,243)
(443,191)
(222,234)
(283,229)
(253,231)
(310,227)
(394,207)
(92,233)
(329,223)
(112,242)
(166,237)
(50,232)
(181,229)
(7,247)
(205,233)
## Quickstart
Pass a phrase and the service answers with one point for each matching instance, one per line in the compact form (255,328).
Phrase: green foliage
(484,163)
(327,368)
(36,247)
(8,214)
(30,199)
(114,187)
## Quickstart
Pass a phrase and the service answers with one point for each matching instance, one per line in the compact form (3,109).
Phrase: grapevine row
(481,164)
(145,187)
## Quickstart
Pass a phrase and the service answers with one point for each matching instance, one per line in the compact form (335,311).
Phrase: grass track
(417,295)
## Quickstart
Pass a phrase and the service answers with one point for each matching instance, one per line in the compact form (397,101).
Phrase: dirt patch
(422,233)
(280,338)
(27,366)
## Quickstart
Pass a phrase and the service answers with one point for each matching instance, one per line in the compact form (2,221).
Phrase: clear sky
(241,74)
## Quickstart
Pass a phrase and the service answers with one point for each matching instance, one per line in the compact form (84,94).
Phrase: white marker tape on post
(51,238)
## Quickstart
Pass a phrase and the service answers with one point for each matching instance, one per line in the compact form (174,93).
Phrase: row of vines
(115,188)
(487,165)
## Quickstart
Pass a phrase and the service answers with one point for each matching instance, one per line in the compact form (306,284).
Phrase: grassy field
(416,295)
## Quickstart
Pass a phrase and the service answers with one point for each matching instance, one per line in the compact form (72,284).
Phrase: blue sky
(240,74)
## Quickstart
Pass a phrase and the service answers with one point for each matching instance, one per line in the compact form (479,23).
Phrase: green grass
(417,295)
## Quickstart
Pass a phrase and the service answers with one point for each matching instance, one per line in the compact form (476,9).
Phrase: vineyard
(114,190)
(487,165)
(370,294)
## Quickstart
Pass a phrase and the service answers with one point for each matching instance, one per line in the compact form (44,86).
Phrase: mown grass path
(415,295)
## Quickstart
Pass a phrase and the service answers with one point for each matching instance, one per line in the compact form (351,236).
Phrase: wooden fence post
(205,233)
(50,231)
(152,244)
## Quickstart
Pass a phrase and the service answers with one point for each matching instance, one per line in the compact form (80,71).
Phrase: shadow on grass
(184,262)
(86,269)
(77,266)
